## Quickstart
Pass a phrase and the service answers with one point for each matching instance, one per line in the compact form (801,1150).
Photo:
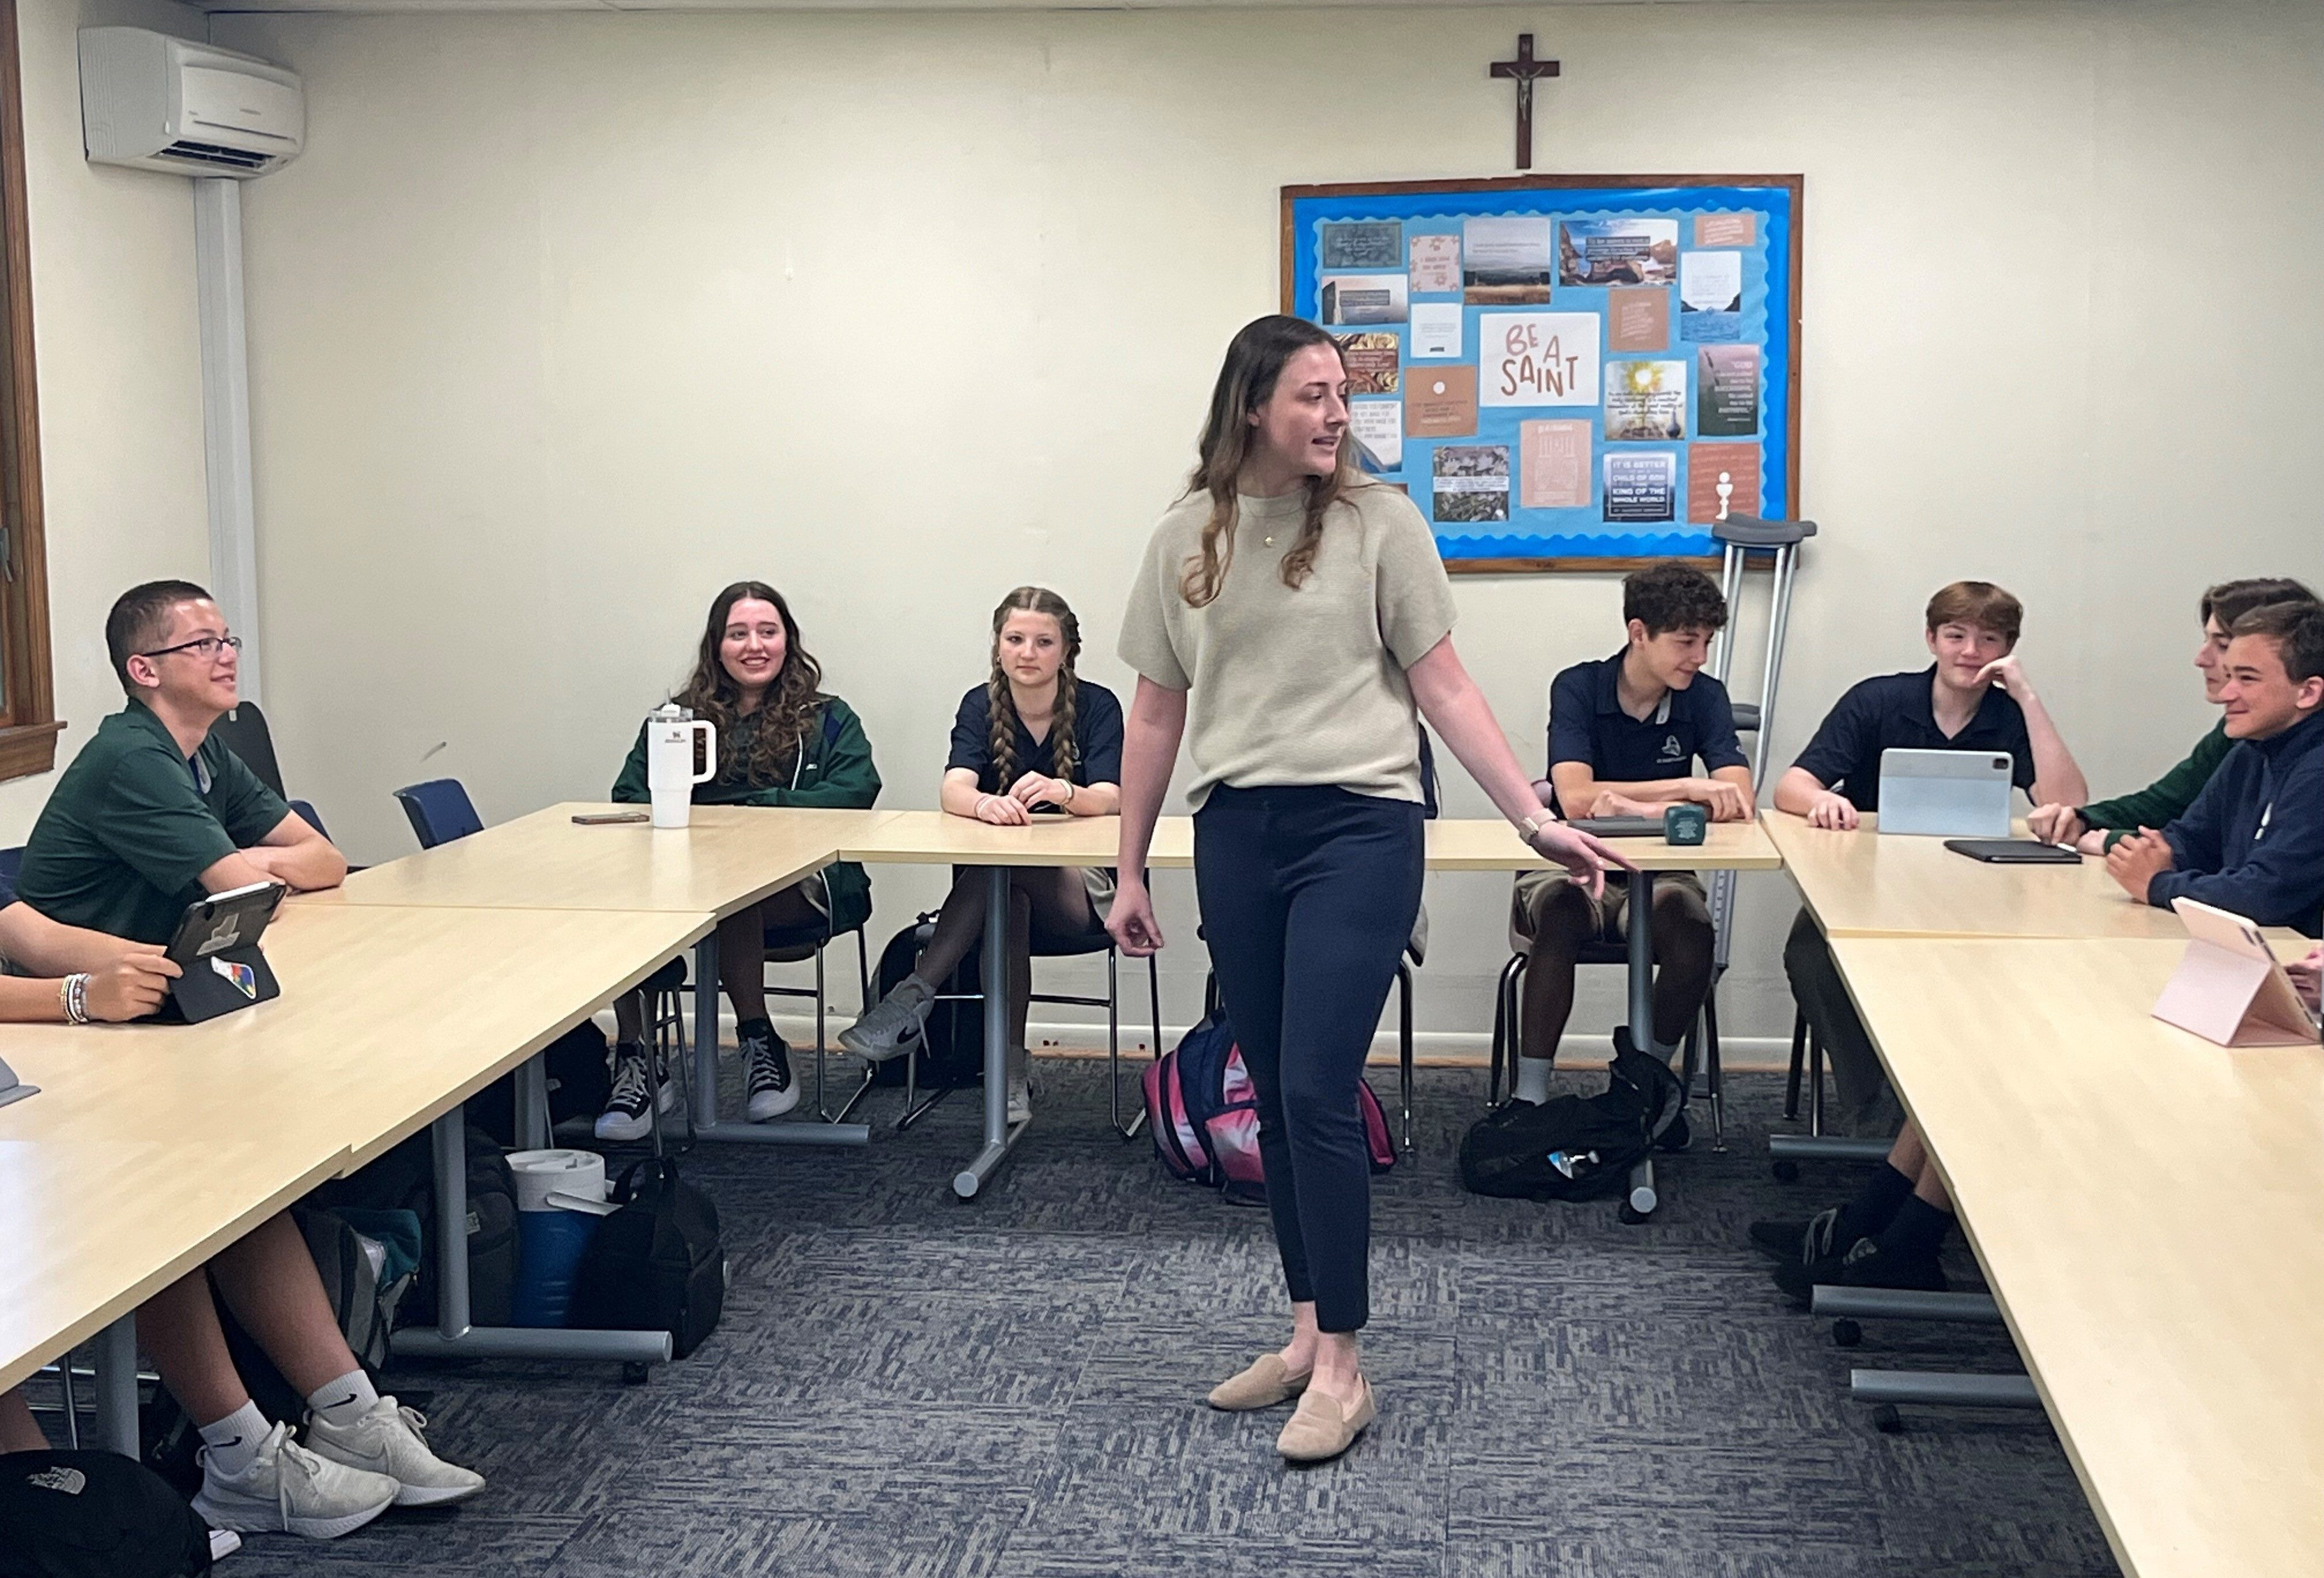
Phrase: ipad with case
(2230,987)
(215,949)
(1945,794)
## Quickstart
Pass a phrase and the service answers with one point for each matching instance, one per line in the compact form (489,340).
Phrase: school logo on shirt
(242,978)
(1671,750)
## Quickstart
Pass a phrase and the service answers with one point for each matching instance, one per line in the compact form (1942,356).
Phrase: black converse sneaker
(625,1118)
(767,1065)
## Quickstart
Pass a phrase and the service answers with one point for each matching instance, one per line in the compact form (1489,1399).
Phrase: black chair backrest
(11,861)
(440,811)
(243,730)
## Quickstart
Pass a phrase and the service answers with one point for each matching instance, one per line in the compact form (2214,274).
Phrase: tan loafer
(1323,1428)
(1262,1386)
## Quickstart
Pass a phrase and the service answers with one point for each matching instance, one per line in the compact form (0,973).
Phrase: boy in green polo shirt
(152,814)
(2098,826)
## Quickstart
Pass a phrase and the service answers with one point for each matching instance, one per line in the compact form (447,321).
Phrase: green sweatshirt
(2160,803)
(836,770)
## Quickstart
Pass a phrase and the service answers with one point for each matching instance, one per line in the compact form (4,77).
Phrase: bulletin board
(1566,371)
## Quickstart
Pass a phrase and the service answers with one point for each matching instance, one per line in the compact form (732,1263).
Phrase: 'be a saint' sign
(1538,358)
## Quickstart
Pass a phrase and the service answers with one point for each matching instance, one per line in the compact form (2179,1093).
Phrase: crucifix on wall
(1526,70)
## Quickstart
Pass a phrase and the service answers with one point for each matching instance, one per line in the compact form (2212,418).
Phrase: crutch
(1739,537)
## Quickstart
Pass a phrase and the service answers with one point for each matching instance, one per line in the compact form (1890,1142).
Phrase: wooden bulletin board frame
(1778,199)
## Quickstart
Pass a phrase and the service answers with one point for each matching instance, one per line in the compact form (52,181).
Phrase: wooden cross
(1525,69)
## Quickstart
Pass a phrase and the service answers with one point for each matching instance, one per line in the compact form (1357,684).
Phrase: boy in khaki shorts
(1624,734)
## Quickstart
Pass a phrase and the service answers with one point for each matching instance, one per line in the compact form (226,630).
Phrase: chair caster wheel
(1788,1172)
(1887,1420)
(1846,1332)
(634,1372)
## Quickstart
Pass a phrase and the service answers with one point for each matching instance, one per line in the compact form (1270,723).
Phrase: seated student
(2252,842)
(2098,826)
(782,741)
(1034,738)
(150,815)
(1976,697)
(1626,731)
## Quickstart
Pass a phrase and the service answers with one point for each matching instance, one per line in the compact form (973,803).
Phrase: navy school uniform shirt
(2252,842)
(1587,725)
(1097,740)
(1897,712)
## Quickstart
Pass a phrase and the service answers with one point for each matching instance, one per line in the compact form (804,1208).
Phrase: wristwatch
(1529,828)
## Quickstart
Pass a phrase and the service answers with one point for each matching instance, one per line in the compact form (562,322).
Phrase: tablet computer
(1619,826)
(1951,794)
(2014,852)
(216,950)
(2231,988)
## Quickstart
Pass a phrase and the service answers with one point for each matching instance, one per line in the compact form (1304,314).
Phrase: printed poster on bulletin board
(1564,371)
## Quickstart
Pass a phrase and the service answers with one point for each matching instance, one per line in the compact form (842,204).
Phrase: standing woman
(1289,615)
(1034,739)
(782,741)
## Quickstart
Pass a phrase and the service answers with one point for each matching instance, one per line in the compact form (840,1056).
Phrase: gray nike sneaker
(892,1027)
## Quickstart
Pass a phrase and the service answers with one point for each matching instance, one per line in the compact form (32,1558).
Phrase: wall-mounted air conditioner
(161,103)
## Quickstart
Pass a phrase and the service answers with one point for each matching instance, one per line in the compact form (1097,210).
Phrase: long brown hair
(1002,702)
(1247,380)
(785,713)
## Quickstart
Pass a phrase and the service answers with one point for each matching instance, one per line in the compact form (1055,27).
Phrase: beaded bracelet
(73,996)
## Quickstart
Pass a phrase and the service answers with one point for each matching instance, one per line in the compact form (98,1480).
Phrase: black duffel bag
(656,1264)
(94,1514)
(1575,1148)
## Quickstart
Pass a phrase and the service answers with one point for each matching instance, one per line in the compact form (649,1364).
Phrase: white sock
(344,1400)
(1533,1080)
(233,1440)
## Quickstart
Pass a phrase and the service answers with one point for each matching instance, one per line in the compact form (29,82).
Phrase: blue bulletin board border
(1534,540)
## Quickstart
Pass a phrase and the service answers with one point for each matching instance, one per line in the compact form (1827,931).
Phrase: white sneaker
(625,1115)
(292,1488)
(387,1441)
(1020,1085)
(892,1026)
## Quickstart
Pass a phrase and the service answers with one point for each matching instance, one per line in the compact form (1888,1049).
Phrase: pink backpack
(1205,1114)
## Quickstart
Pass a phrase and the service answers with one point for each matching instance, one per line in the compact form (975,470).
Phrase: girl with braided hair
(1034,739)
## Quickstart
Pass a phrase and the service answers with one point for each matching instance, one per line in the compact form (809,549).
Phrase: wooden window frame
(28,709)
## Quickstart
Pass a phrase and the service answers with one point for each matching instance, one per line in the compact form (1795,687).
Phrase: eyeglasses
(205,647)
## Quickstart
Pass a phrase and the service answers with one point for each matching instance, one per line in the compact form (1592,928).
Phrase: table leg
(116,1386)
(453,1335)
(1641,939)
(532,1131)
(707,1125)
(998,1136)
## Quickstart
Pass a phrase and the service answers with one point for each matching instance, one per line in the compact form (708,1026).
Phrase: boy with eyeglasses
(151,815)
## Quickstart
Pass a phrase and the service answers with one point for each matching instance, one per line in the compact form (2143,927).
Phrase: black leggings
(1308,897)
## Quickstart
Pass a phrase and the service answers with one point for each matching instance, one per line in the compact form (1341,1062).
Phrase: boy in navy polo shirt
(1975,697)
(1624,734)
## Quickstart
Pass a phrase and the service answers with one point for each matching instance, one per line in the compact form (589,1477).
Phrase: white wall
(119,356)
(564,320)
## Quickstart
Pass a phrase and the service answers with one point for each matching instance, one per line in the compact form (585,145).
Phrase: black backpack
(1574,1148)
(579,1066)
(94,1514)
(952,1046)
(656,1264)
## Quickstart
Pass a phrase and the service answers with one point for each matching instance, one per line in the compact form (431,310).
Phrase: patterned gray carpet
(908,1385)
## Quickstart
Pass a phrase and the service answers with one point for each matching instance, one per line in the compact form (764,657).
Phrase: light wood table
(2144,1207)
(1860,884)
(1489,845)
(152,1147)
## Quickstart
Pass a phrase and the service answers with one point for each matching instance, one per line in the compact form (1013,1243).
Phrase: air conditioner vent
(211,153)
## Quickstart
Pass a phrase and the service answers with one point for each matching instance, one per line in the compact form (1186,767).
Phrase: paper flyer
(1372,363)
(1727,392)
(1708,466)
(1505,260)
(1711,296)
(1637,318)
(1369,243)
(1645,402)
(1538,358)
(1378,427)
(1436,328)
(1726,229)
(1554,465)
(1354,299)
(1617,252)
(1435,263)
(1472,484)
(1441,402)
(1640,486)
